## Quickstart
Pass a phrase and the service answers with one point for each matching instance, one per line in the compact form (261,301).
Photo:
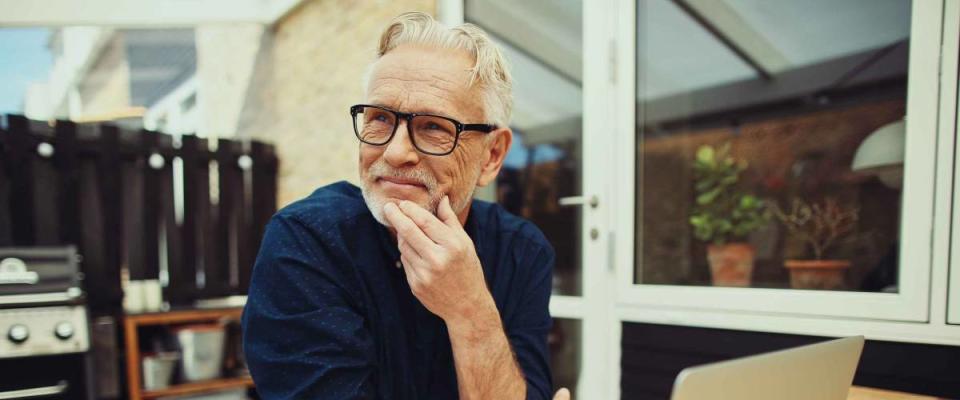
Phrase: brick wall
(106,87)
(306,75)
(226,54)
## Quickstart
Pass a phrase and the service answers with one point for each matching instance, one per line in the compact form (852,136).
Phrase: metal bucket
(201,348)
(158,370)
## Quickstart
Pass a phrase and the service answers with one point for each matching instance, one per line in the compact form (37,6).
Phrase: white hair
(490,69)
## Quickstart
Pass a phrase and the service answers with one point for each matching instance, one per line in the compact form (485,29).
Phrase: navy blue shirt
(330,316)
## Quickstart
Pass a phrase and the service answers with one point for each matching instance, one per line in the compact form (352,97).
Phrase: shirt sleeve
(527,330)
(303,333)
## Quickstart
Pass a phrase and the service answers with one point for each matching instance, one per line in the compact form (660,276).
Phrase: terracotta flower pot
(817,274)
(731,264)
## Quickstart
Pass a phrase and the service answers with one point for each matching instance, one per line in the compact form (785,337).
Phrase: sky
(24,58)
(518,153)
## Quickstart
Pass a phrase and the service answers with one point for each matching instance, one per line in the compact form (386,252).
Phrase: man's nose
(400,150)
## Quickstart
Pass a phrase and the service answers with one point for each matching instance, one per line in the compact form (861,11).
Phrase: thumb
(562,394)
(446,214)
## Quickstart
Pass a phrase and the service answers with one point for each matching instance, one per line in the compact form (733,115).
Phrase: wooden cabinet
(132,325)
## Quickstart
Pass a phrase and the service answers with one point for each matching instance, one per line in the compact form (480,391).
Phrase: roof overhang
(141,13)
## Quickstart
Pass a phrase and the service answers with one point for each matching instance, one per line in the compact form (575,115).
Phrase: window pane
(770,143)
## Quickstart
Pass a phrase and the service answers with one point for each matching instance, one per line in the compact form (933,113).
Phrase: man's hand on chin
(444,273)
(441,264)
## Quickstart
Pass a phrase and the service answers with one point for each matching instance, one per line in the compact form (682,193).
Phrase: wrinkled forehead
(425,79)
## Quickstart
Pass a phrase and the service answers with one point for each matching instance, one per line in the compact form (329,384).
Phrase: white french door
(559,171)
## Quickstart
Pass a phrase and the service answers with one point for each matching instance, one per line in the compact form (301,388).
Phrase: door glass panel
(565,344)
(770,143)
(542,41)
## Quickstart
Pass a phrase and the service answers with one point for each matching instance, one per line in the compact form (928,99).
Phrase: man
(406,288)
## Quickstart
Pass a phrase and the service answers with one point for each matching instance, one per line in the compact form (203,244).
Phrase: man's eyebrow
(428,110)
(418,110)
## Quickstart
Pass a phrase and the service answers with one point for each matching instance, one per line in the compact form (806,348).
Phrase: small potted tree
(723,215)
(820,225)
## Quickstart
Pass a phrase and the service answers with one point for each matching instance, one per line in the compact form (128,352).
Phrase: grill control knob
(63,330)
(18,333)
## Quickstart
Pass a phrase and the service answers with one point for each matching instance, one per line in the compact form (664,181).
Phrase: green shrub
(722,212)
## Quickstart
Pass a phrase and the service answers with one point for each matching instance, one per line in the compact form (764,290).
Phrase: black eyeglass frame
(461,127)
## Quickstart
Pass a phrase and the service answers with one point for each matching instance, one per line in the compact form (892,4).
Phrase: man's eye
(381,118)
(438,127)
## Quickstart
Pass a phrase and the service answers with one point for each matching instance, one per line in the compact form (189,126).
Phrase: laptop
(821,371)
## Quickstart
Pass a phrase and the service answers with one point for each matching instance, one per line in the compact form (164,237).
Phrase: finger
(407,229)
(408,250)
(422,261)
(415,276)
(415,261)
(435,229)
(446,214)
(562,394)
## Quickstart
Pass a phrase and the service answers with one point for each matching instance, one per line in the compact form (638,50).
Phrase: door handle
(42,391)
(592,201)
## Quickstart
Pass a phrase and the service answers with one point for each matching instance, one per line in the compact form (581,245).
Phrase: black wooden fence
(137,199)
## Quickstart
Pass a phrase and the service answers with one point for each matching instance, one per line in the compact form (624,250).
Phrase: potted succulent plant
(723,215)
(820,225)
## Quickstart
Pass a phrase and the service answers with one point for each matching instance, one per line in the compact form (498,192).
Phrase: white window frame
(600,338)
(950,111)
(913,300)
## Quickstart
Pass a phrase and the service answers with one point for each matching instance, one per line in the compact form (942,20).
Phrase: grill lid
(38,270)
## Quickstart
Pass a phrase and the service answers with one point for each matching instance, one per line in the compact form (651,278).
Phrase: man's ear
(494,154)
